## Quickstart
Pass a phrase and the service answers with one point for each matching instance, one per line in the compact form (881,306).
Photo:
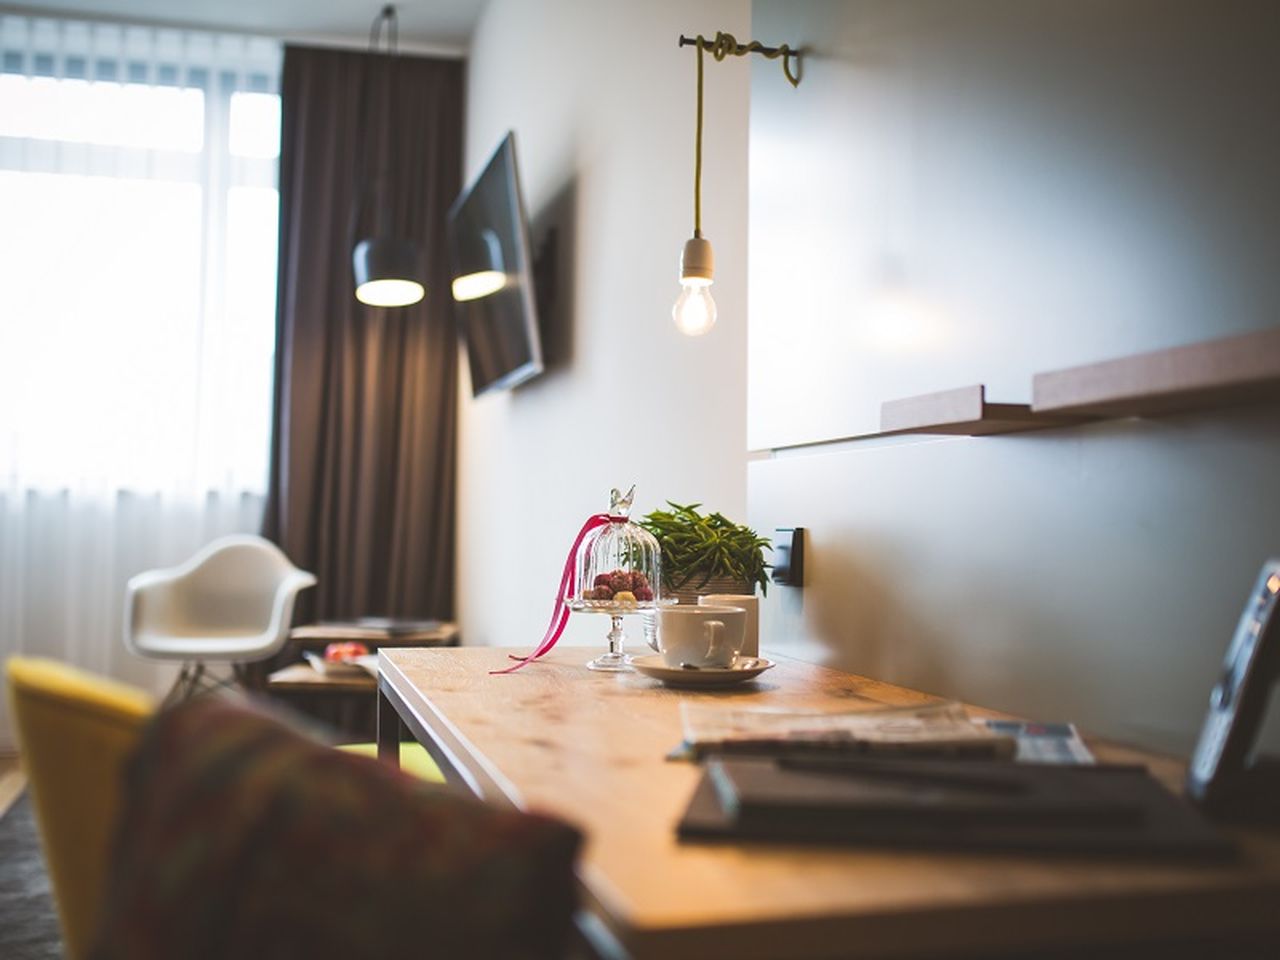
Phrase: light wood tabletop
(590,747)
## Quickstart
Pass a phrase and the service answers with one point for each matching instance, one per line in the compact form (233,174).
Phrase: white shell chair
(232,602)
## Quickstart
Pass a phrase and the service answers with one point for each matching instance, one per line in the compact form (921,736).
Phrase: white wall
(985,190)
(602,102)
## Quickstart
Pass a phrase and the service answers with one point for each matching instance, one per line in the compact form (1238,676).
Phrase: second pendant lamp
(389,268)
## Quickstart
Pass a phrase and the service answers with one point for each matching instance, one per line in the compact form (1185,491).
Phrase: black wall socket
(788,556)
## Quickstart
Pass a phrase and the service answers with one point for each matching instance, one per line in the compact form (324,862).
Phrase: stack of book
(926,777)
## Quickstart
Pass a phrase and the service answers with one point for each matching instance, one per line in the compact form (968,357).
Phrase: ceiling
(428,25)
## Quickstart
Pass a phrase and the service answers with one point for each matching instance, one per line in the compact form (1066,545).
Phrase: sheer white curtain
(138,227)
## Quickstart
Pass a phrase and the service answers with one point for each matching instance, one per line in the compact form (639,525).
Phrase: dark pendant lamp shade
(389,272)
(480,268)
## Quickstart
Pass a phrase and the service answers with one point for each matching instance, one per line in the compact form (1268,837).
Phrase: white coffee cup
(748,602)
(700,636)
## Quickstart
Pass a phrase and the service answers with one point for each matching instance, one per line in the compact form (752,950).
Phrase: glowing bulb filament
(695,311)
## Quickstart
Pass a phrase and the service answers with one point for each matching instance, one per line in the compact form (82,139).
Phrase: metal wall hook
(725,44)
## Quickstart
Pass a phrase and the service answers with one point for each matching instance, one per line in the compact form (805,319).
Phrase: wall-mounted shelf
(1238,369)
(963,412)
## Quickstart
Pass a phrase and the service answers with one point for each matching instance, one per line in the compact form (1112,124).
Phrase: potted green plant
(706,553)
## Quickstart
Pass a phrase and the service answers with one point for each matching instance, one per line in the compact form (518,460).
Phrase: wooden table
(589,747)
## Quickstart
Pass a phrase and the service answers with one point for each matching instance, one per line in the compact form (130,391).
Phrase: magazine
(937,729)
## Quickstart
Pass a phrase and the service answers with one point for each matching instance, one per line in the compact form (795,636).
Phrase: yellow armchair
(74,732)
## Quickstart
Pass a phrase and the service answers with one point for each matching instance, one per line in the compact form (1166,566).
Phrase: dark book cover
(1114,811)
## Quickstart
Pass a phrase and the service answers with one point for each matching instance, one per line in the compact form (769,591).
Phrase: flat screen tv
(490,262)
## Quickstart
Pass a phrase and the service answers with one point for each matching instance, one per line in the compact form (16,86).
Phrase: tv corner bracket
(726,45)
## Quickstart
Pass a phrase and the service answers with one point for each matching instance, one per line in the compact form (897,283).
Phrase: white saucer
(745,668)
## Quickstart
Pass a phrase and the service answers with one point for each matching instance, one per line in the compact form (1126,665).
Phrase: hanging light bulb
(695,311)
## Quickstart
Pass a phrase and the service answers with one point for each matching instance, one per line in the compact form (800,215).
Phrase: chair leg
(212,684)
(180,689)
(194,678)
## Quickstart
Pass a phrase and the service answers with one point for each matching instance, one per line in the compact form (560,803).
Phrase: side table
(348,702)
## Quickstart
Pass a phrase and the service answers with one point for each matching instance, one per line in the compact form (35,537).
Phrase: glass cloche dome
(619,572)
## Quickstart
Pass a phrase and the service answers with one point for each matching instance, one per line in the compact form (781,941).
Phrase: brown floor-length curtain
(362,464)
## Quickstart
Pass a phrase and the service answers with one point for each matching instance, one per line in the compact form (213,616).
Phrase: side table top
(301,676)
(421,633)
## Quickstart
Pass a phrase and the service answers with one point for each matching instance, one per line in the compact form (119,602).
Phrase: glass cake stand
(614,660)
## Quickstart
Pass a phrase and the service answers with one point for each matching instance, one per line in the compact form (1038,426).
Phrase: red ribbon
(568,587)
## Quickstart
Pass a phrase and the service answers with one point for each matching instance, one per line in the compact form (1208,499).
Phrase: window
(138,228)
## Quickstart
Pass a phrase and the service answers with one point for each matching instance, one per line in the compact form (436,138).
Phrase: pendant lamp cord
(697,149)
(724,45)
(387,15)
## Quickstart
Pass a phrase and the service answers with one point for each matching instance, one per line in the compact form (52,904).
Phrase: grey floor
(28,922)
